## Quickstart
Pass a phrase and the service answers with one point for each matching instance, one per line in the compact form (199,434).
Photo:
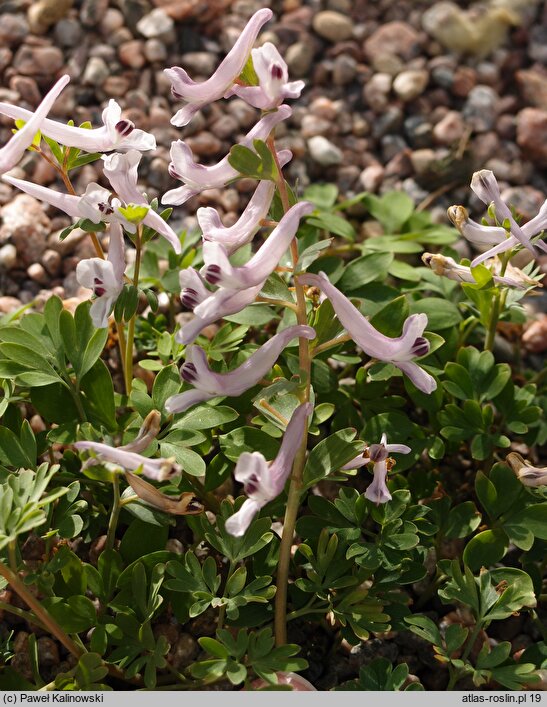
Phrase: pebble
(68,32)
(37,272)
(532,85)
(535,336)
(155,24)
(410,84)
(9,304)
(184,651)
(132,54)
(376,91)
(34,61)
(45,13)
(25,222)
(480,109)
(333,25)
(299,58)
(199,63)
(48,651)
(96,71)
(324,152)
(372,177)
(51,260)
(344,70)
(532,134)
(92,12)
(449,129)
(396,38)
(225,127)
(27,88)
(313,125)
(155,51)
(14,29)
(8,256)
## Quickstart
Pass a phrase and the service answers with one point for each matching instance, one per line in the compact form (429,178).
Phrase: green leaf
(485,549)
(248,439)
(332,223)
(392,209)
(363,270)
(425,628)
(462,520)
(441,314)
(331,454)
(322,195)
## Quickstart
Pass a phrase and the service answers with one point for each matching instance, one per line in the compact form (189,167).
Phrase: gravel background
(387,105)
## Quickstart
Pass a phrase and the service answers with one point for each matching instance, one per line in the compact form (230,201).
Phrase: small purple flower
(104,277)
(273,84)
(128,457)
(218,305)
(262,482)
(377,454)
(243,231)
(447,267)
(400,351)
(198,178)
(122,173)
(208,384)
(115,134)
(485,186)
(15,148)
(528,475)
(219,271)
(198,95)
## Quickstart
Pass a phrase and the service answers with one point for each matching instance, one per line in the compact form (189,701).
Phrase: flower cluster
(219,289)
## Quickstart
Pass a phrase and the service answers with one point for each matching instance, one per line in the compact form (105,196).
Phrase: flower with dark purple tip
(400,351)
(209,384)
(262,482)
(201,94)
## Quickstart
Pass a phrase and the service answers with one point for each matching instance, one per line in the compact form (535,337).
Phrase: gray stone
(344,70)
(92,12)
(96,71)
(324,152)
(155,50)
(13,29)
(155,24)
(333,26)
(68,32)
(480,109)
(299,58)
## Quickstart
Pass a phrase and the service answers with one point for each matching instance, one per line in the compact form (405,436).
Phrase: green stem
(43,616)
(304,611)
(114,514)
(222,610)
(12,555)
(471,640)
(21,613)
(295,488)
(128,368)
(454,677)
(497,307)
